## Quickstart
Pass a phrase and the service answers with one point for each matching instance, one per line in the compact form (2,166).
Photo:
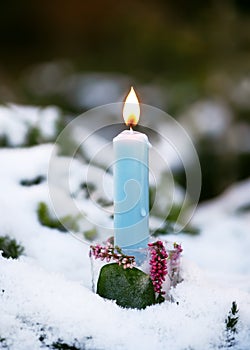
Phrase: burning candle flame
(131,109)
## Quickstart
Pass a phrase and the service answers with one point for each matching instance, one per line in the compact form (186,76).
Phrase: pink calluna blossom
(158,266)
(109,252)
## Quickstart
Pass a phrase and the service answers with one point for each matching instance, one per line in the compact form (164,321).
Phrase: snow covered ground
(45,295)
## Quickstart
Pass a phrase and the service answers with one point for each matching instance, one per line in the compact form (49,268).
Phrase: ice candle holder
(160,262)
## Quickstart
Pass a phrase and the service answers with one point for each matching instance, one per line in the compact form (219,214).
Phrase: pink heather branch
(175,255)
(174,258)
(158,266)
(109,252)
(178,248)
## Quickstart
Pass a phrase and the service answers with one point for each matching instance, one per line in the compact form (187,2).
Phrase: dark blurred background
(189,58)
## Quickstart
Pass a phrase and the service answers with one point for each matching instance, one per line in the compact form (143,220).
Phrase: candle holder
(136,278)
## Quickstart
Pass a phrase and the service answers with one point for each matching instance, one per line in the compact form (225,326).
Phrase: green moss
(64,346)
(89,188)
(104,202)
(63,224)
(67,145)
(168,228)
(60,343)
(3,343)
(191,230)
(10,247)
(47,220)
(165,229)
(231,326)
(90,235)
(4,142)
(70,223)
(232,319)
(172,220)
(31,182)
(33,137)
(243,209)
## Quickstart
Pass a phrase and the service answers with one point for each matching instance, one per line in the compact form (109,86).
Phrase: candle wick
(130,129)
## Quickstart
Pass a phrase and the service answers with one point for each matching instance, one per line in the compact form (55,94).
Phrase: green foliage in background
(33,137)
(61,345)
(32,182)
(231,325)
(3,343)
(10,247)
(4,142)
(90,235)
(63,224)
(172,220)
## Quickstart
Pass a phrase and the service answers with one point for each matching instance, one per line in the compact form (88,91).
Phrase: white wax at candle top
(132,135)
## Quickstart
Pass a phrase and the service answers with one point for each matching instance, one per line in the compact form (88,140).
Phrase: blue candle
(131,188)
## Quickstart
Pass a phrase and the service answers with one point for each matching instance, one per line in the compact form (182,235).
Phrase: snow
(47,292)
(90,90)
(241,92)
(16,120)
(207,117)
